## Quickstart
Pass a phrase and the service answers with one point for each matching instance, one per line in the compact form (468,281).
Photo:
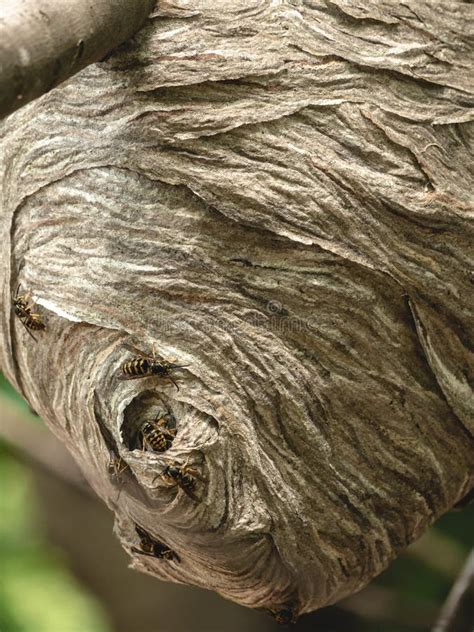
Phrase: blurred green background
(62,570)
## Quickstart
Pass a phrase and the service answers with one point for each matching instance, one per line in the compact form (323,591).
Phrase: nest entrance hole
(148,406)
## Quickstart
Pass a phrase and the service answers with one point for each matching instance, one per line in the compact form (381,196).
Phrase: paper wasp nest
(278,196)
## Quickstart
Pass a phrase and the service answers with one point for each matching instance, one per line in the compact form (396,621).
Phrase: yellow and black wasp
(146,366)
(153,548)
(183,476)
(156,435)
(285,616)
(30,320)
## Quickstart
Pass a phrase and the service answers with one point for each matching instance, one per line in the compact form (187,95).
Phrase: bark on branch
(44,42)
(279,196)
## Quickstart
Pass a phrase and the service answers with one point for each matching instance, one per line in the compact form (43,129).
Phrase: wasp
(146,366)
(153,548)
(285,616)
(183,476)
(156,435)
(30,320)
(116,466)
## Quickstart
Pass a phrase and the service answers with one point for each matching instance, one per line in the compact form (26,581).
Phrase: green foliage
(37,593)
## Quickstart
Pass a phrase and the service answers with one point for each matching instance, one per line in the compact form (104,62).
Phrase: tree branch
(36,444)
(460,599)
(44,42)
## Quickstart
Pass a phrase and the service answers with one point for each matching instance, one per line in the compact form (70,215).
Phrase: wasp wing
(122,376)
(28,330)
(190,493)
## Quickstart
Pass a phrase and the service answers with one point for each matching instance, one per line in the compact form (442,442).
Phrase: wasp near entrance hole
(30,320)
(183,476)
(155,435)
(116,466)
(153,548)
(146,366)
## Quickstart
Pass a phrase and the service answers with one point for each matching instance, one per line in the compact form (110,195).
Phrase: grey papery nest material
(279,196)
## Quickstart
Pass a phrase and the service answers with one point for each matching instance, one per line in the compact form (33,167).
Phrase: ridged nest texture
(276,196)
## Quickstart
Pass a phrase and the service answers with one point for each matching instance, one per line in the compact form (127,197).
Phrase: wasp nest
(273,196)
